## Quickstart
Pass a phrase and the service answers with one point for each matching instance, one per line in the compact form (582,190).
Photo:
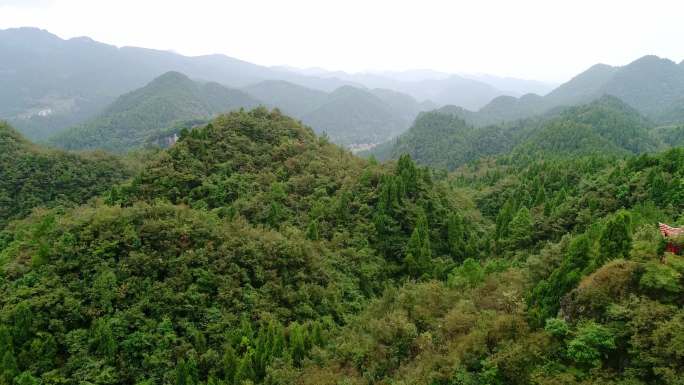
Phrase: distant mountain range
(653,86)
(468,91)
(49,84)
(153,114)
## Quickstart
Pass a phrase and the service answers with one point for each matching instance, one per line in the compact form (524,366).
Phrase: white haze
(544,40)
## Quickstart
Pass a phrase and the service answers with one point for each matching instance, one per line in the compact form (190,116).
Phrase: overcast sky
(545,40)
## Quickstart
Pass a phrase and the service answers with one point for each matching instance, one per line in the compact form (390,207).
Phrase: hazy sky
(546,40)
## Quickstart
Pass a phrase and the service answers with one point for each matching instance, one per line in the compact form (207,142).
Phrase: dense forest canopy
(254,251)
(32,176)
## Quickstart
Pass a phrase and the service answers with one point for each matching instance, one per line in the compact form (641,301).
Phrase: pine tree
(230,364)
(245,370)
(521,228)
(6,344)
(504,217)
(105,342)
(342,208)
(418,252)
(277,336)
(658,187)
(408,173)
(297,343)
(456,233)
(192,370)
(8,368)
(23,319)
(540,195)
(616,238)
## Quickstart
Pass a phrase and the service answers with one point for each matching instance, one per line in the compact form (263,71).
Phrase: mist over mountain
(469,91)
(514,86)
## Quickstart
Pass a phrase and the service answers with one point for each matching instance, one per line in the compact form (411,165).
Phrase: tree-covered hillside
(350,116)
(255,252)
(353,116)
(32,176)
(234,253)
(606,126)
(445,141)
(135,117)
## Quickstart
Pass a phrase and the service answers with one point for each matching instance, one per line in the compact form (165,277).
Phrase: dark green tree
(521,229)
(616,238)
(456,232)
(418,255)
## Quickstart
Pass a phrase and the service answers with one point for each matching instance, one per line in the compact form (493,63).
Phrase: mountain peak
(170,78)
(651,59)
(29,36)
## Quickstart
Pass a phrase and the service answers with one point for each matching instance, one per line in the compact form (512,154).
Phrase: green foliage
(33,176)
(253,251)
(557,327)
(661,279)
(418,251)
(616,238)
(521,229)
(590,344)
(468,274)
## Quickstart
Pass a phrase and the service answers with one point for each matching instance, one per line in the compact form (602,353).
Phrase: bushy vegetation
(255,252)
(32,176)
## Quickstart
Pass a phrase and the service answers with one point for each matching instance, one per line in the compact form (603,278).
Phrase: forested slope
(33,176)
(606,126)
(229,257)
(254,251)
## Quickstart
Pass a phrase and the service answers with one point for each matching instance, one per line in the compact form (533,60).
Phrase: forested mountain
(606,126)
(445,141)
(442,139)
(148,112)
(652,85)
(33,176)
(50,84)
(230,255)
(254,251)
(352,115)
